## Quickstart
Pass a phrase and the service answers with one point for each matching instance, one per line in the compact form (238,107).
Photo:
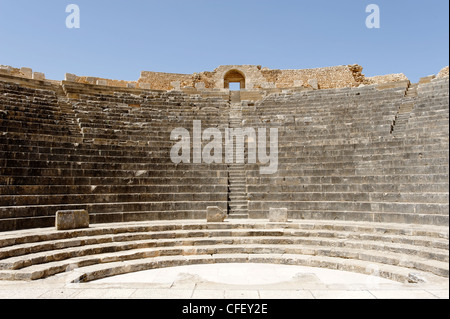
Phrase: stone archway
(234,76)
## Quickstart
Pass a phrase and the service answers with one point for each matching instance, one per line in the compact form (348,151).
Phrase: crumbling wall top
(443,73)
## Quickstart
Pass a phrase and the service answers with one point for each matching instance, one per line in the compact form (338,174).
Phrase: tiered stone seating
(30,111)
(360,198)
(339,160)
(118,169)
(406,254)
(429,118)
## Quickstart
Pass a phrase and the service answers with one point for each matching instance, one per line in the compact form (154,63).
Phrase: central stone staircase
(404,113)
(237,197)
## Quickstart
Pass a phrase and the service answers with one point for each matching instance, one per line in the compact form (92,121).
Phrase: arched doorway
(234,76)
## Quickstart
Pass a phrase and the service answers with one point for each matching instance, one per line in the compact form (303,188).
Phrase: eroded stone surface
(215,215)
(278,215)
(72,219)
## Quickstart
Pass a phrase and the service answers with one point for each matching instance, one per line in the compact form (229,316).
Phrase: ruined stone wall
(252,73)
(322,78)
(256,77)
(443,73)
(22,72)
(381,79)
(165,81)
(102,81)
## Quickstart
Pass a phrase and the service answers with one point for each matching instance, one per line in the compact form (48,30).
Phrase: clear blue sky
(119,39)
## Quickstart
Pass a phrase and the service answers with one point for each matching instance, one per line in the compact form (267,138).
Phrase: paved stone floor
(227,281)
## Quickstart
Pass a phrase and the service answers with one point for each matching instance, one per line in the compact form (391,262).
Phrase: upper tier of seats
(340,159)
(106,153)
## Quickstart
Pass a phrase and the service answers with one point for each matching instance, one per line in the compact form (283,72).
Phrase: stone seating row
(41,216)
(21,156)
(110,119)
(381,145)
(286,161)
(416,253)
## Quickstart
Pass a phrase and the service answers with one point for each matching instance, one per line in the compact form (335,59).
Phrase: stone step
(111,181)
(237,171)
(95,272)
(47,145)
(9,163)
(341,181)
(237,209)
(37,190)
(238,206)
(238,202)
(241,200)
(355,215)
(237,182)
(365,171)
(150,172)
(390,229)
(236,179)
(284,152)
(238,186)
(236,168)
(281,195)
(12,256)
(238,196)
(363,206)
(236,174)
(346,185)
(109,208)
(240,209)
(23,200)
(39,271)
(238,215)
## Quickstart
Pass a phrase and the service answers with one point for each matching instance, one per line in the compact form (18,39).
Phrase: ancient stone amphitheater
(362,171)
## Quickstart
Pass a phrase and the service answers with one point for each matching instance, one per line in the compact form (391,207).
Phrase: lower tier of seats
(44,215)
(405,253)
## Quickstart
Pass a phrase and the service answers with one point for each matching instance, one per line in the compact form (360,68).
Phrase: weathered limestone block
(278,215)
(314,84)
(443,73)
(102,82)
(427,79)
(290,119)
(5,69)
(71,219)
(215,215)
(145,86)
(268,85)
(69,77)
(176,85)
(27,72)
(298,83)
(200,85)
(38,76)
(131,85)
(415,278)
